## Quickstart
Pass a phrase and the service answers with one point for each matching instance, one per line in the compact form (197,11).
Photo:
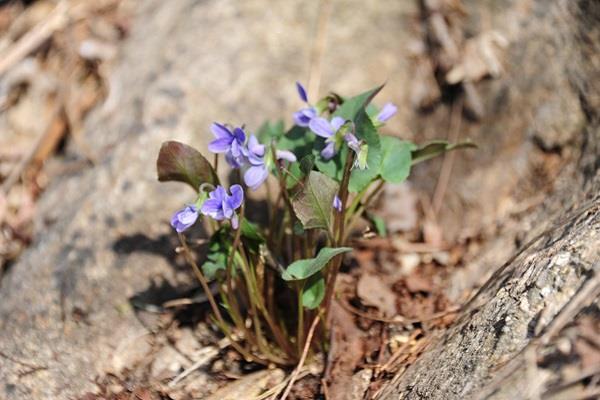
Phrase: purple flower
(221,205)
(387,112)
(328,130)
(301,92)
(261,162)
(228,142)
(337,203)
(184,218)
(303,116)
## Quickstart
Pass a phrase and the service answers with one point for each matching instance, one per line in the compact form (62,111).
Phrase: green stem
(213,304)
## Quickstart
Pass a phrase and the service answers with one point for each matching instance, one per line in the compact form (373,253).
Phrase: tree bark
(491,350)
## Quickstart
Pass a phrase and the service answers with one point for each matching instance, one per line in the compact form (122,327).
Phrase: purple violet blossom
(228,142)
(220,205)
(301,92)
(303,116)
(337,203)
(261,162)
(184,218)
(328,130)
(387,112)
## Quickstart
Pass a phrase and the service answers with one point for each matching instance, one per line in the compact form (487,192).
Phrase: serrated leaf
(313,201)
(306,268)
(182,163)
(435,148)
(396,160)
(314,292)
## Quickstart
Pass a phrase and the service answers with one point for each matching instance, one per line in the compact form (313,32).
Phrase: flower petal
(336,123)
(321,127)
(301,92)
(184,218)
(337,203)
(239,135)
(235,221)
(329,151)
(387,112)
(352,142)
(285,155)
(255,176)
(237,197)
(221,145)
(220,131)
(211,207)
(255,147)
(233,161)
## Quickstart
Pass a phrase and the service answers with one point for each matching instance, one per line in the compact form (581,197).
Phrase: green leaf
(298,140)
(396,160)
(314,292)
(299,171)
(313,201)
(351,107)
(303,269)
(211,269)
(219,247)
(361,178)
(435,148)
(180,162)
(379,224)
(270,131)
(334,167)
(251,231)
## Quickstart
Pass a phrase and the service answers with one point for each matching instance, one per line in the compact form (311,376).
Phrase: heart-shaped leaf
(303,269)
(396,160)
(182,163)
(313,201)
(352,106)
(314,292)
(435,148)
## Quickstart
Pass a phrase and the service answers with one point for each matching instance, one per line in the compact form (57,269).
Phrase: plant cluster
(273,276)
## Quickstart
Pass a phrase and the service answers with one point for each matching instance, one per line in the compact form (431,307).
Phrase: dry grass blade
(296,372)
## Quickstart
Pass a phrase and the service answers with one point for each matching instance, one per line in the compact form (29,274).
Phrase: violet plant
(275,276)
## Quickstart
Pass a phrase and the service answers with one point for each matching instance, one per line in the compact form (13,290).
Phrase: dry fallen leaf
(372,291)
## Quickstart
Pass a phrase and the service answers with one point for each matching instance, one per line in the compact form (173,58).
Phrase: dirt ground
(96,304)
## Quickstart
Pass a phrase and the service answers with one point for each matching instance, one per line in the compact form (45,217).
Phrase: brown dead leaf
(372,291)
(249,386)
(346,353)
(416,283)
